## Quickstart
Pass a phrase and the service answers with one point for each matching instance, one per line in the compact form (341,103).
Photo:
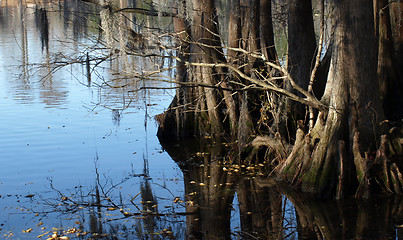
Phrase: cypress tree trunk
(301,47)
(199,106)
(388,70)
(345,136)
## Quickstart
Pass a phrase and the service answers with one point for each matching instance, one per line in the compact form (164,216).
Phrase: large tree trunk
(197,101)
(391,91)
(203,110)
(301,47)
(205,49)
(396,13)
(267,35)
(345,135)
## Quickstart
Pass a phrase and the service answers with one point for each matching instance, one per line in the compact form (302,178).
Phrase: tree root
(327,170)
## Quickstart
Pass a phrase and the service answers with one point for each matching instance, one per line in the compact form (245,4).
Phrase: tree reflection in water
(268,211)
(212,179)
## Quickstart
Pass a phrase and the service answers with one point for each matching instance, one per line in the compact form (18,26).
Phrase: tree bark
(267,35)
(388,72)
(201,106)
(301,47)
(354,110)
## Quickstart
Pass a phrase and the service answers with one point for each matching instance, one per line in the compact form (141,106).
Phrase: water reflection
(218,190)
(68,36)
(266,210)
(35,75)
(42,24)
(116,117)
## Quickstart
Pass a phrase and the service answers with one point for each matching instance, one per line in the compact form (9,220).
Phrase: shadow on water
(269,211)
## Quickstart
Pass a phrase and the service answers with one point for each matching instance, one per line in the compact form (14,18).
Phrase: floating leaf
(27,231)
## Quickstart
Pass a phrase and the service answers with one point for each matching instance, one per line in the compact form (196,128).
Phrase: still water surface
(82,159)
(61,130)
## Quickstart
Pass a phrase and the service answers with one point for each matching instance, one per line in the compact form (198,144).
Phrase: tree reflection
(269,211)
(377,218)
(261,210)
(42,24)
(117,211)
(209,191)
(211,182)
(109,210)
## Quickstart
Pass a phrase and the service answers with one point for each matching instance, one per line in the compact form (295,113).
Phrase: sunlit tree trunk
(202,102)
(346,135)
(210,110)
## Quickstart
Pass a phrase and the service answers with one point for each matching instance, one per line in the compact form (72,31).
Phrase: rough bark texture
(354,113)
(344,153)
(199,107)
(208,111)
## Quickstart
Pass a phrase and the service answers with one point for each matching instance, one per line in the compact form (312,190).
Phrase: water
(55,129)
(80,158)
